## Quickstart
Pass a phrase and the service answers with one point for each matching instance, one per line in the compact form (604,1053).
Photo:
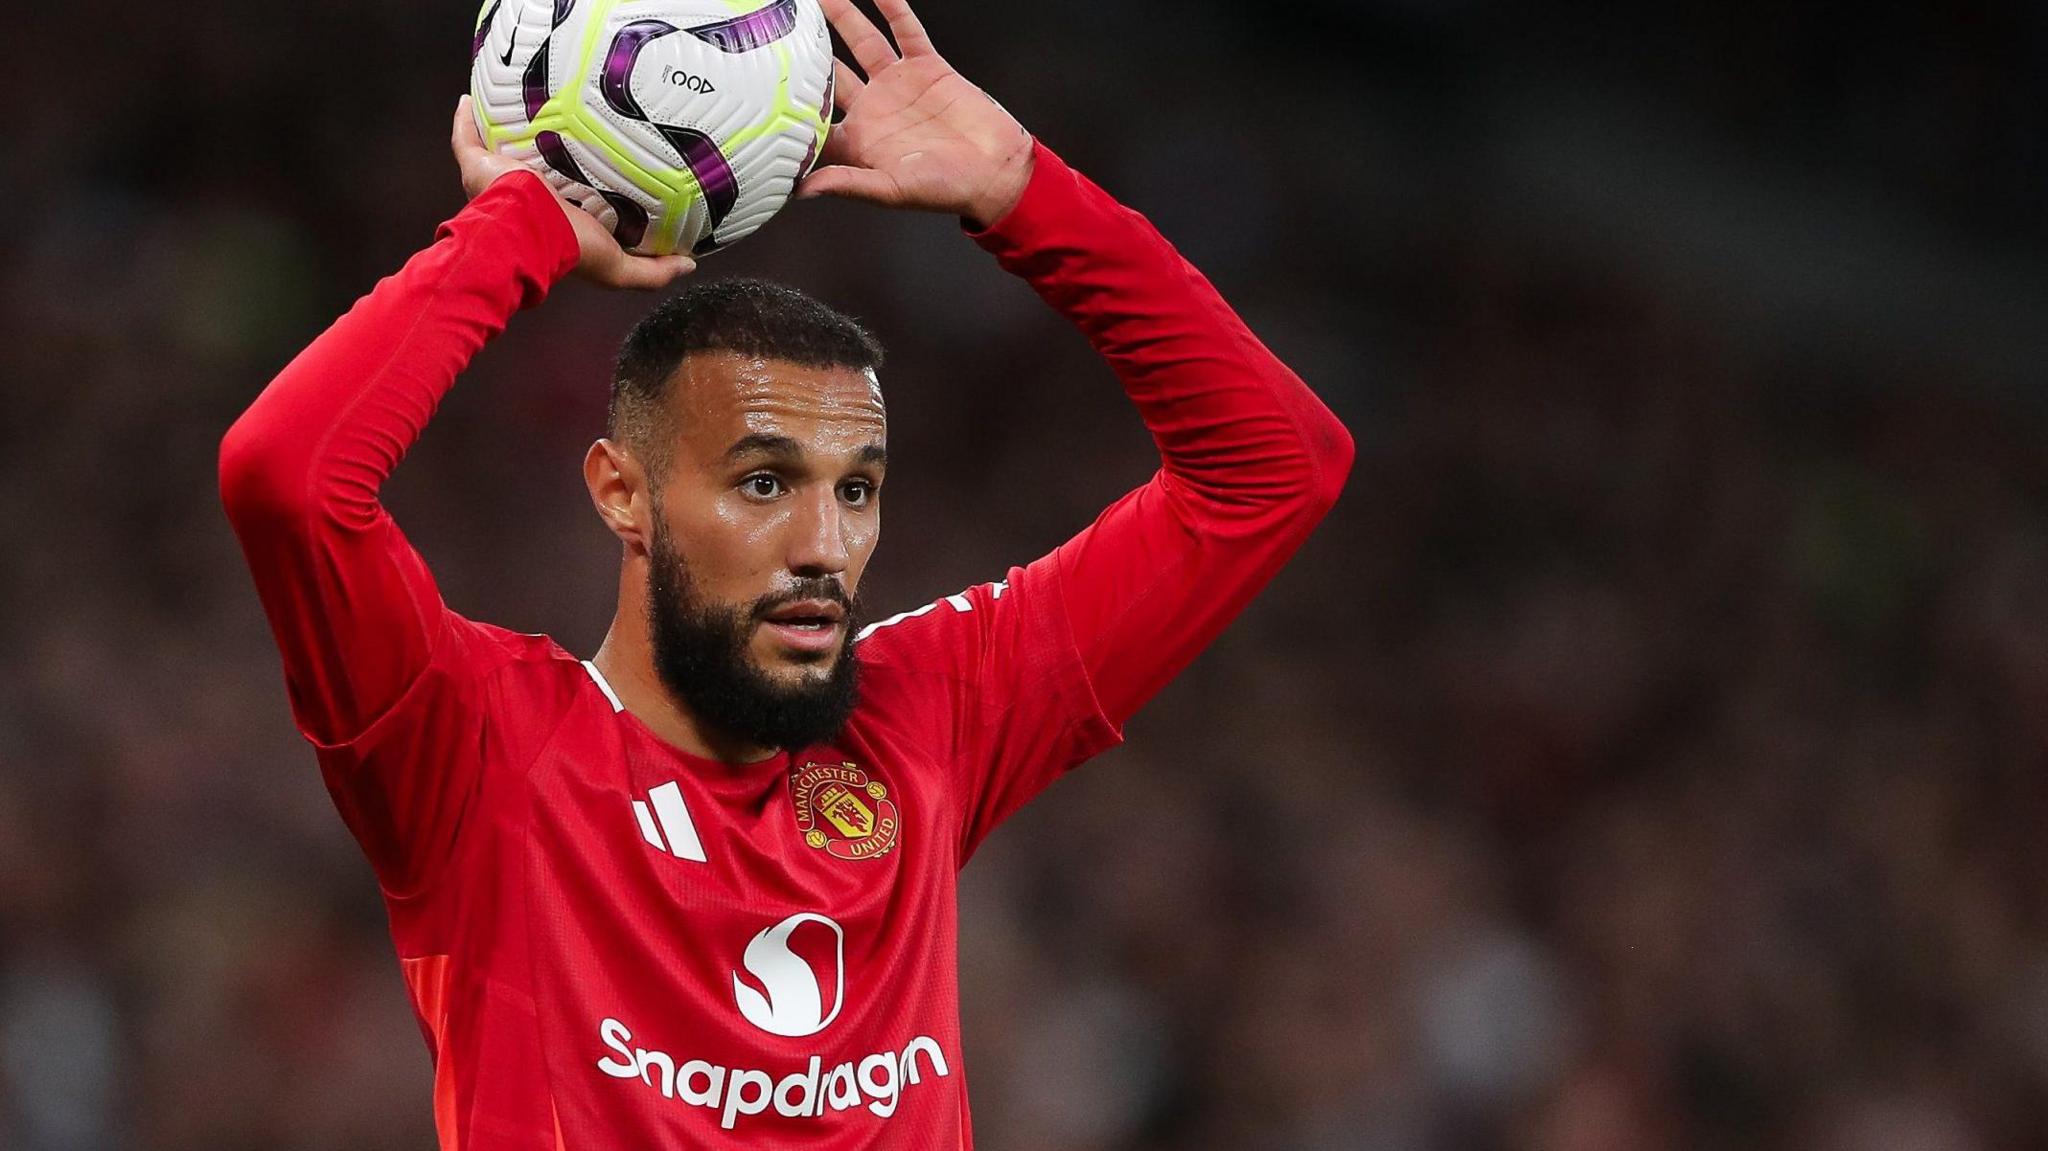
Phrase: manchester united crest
(842,812)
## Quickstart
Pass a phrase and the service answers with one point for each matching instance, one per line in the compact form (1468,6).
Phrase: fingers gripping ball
(682,125)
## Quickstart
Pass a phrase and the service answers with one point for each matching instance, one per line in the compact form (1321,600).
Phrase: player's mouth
(810,625)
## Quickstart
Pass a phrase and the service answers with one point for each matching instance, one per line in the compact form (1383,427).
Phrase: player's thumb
(463,138)
(848,181)
(647,273)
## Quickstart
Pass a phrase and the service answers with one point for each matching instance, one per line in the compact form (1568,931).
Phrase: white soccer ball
(681,124)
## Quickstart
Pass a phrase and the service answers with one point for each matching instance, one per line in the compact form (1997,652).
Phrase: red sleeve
(384,679)
(1045,673)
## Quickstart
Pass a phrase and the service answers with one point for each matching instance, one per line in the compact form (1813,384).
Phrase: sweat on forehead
(725,392)
(747,317)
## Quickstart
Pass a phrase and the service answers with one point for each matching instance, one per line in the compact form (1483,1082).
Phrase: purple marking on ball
(533,85)
(831,84)
(483,31)
(757,29)
(715,177)
(556,154)
(810,155)
(615,81)
(632,225)
(562,11)
(706,246)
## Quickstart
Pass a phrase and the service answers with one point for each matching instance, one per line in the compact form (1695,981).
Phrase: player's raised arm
(1252,460)
(357,616)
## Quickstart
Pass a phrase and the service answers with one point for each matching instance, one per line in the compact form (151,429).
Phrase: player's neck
(626,660)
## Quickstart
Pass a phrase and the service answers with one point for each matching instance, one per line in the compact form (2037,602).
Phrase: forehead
(719,397)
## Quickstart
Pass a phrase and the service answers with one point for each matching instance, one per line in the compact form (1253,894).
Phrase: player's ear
(618,490)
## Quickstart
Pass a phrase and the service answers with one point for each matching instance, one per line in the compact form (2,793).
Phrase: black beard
(700,653)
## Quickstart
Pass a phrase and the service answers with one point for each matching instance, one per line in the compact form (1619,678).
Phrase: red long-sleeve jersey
(613,943)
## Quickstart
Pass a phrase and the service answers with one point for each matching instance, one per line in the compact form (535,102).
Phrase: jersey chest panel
(765,951)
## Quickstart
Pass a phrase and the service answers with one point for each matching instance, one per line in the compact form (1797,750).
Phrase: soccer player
(699,889)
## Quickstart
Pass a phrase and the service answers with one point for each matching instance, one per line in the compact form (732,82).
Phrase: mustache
(823,588)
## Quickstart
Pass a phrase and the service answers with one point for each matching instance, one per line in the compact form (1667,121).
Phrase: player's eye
(857,492)
(761,485)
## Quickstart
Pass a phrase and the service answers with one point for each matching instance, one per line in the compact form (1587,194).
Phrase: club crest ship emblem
(844,813)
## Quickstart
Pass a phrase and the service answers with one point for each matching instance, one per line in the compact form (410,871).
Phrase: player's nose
(817,542)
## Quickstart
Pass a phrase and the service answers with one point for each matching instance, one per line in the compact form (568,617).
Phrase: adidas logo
(665,823)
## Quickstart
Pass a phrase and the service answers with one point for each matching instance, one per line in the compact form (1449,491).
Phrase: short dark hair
(746,316)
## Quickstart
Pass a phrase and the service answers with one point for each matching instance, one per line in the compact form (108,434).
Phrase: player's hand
(916,133)
(602,260)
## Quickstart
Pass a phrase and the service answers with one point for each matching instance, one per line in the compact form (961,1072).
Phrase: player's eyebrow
(766,443)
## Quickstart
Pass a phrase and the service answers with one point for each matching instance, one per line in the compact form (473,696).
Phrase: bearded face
(762,484)
(704,652)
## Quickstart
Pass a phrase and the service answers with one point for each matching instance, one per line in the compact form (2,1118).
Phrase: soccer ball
(682,125)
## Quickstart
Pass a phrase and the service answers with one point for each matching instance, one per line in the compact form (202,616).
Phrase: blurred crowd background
(1651,752)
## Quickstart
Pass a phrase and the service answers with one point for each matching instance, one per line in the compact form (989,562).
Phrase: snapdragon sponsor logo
(793,985)
(876,1081)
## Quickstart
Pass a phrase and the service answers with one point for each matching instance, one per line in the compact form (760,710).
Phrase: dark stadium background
(1651,752)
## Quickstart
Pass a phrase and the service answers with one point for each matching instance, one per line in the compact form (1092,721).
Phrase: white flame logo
(795,1003)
